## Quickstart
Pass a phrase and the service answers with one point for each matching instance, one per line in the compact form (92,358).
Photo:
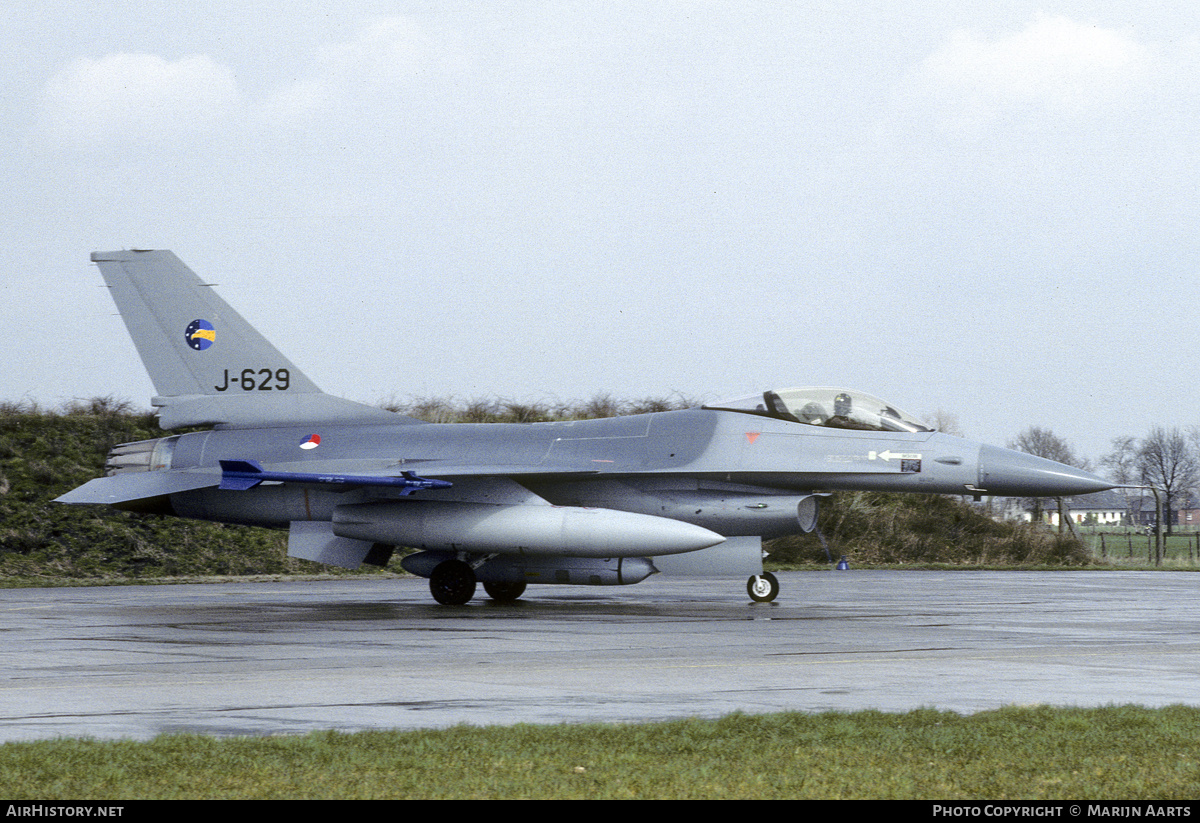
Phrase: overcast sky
(988,208)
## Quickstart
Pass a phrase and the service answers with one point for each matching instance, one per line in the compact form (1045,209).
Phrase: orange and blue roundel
(200,334)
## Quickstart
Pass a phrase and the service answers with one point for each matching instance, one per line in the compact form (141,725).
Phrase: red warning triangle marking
(752,436)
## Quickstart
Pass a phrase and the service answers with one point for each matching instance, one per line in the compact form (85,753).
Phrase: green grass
(1136,549)
(889,530)
(1017,752)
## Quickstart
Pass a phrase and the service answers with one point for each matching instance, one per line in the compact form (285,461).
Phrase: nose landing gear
(762,588)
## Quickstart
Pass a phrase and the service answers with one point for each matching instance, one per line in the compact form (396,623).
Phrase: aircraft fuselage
(614,463)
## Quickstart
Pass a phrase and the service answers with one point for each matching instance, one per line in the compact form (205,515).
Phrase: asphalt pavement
(361,653)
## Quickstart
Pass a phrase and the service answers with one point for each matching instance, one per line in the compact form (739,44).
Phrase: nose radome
(1016,474)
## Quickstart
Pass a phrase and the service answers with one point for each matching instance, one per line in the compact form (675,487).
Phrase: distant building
(1188,514)
(1105,508)
(1185,511)
(1147,511)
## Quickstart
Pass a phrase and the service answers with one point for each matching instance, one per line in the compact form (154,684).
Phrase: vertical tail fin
(188,337)
(207,363)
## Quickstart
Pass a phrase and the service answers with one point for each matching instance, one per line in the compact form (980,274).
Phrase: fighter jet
(590,502)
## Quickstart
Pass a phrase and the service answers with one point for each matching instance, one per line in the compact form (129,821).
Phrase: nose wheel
(763,588)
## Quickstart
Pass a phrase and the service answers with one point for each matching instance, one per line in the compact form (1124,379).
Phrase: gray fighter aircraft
(592,502)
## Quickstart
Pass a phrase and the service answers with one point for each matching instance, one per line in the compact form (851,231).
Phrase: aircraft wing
(477,484)
(474,483)
(520,470)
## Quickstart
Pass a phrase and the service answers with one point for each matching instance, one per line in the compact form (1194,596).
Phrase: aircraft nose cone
(1016,474)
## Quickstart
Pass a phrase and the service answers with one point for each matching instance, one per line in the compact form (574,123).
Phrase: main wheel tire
(505,592)
(452,583)
(762,588)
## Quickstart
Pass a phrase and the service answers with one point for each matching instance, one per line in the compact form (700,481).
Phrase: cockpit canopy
(830,407)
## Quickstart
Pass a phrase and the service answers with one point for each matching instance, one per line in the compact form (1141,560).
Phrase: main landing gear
(505,592)
(763,588)
(452,583)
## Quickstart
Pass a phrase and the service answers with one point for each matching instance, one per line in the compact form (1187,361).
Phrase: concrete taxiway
(296,656)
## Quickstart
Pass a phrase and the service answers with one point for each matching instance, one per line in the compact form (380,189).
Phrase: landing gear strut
(763,588)
(452,583)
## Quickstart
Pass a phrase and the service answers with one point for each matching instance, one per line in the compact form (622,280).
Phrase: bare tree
(1168,460)
(1121,465)
(943,421)
(1044,443)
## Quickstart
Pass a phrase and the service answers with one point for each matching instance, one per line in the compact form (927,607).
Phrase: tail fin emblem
(200,334)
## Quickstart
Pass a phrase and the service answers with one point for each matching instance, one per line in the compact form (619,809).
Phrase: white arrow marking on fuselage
(891,455)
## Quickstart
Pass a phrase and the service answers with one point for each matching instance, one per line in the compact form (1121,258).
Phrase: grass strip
(1036,752)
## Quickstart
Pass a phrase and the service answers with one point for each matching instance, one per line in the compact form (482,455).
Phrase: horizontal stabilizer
(123,488)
